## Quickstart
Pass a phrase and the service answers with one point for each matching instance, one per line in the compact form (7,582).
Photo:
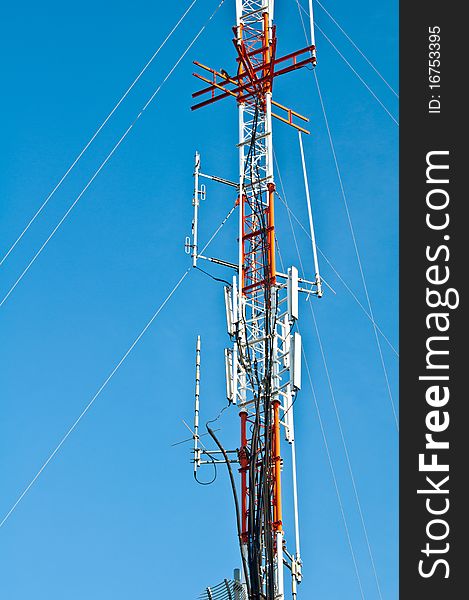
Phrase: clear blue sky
(117,514)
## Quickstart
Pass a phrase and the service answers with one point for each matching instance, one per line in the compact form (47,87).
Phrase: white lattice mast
(263,365)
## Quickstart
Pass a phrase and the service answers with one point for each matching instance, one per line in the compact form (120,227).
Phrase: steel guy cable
(105,161)
(339,421)
(106,381)
(358,75)
(357,48)
(291,213)
(96,133)
(301,8)
(357,252)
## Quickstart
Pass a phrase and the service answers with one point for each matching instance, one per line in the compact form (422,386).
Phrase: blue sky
(117,513)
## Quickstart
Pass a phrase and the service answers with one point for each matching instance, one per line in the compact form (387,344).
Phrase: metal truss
(263,364)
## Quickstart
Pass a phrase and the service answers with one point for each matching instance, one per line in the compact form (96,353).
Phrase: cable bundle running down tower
(263,366)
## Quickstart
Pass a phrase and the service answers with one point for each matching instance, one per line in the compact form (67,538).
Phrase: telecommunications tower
(263,362)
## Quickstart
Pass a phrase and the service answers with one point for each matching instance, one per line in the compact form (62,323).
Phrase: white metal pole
(239,14)
(310,215)
(244,551)
(241,208)
(268,141)
(195,224)
(239,11)
(311,24)
(196,409)
(295,502)
(280,591)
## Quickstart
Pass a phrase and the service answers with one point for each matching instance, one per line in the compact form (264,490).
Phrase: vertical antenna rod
(196,407)
(195,222)
(311,24)
(310,217)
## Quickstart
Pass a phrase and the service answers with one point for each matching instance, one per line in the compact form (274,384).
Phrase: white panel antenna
(231,367)
(296,361)
(235,301)
(229,310)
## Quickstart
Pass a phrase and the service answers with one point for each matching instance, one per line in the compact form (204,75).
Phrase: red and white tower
(263,364)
